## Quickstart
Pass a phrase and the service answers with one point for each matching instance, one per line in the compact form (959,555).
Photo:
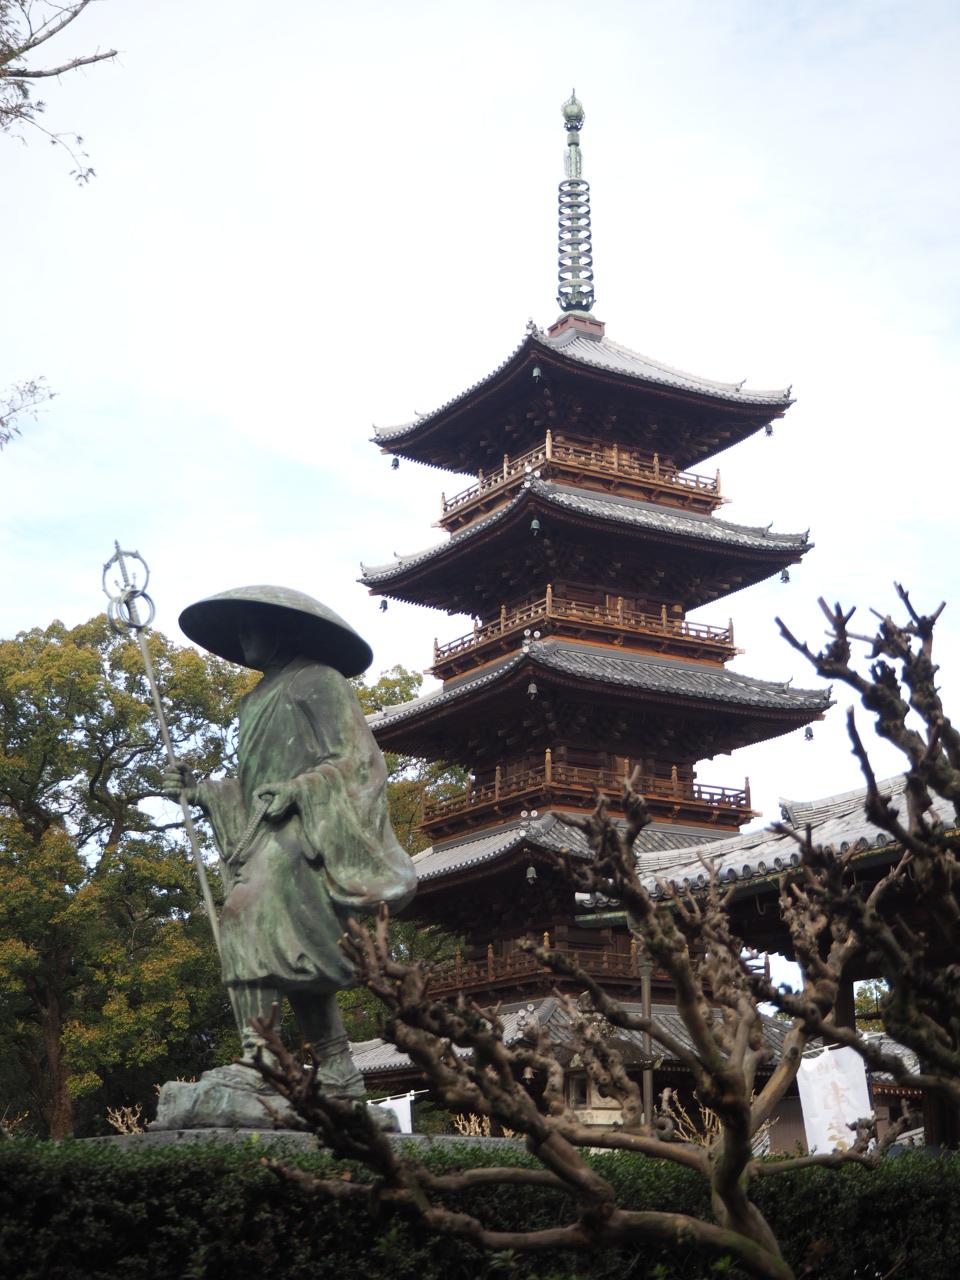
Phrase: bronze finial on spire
(575,250)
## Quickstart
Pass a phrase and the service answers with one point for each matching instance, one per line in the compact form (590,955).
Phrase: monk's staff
(124,614)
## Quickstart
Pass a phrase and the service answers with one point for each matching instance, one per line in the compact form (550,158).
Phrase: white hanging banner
(833,1095)
(402,1108)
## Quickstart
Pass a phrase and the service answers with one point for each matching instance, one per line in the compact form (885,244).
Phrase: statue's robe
(292,885)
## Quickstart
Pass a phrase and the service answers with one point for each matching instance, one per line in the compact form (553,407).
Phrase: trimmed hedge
(82,1211)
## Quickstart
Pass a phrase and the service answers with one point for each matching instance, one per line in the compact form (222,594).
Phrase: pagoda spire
(575,291)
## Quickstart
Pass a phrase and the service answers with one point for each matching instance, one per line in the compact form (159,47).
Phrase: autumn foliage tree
(109,981)
(108,976)
(410,781)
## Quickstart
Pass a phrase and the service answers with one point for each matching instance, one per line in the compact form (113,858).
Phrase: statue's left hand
(282,797)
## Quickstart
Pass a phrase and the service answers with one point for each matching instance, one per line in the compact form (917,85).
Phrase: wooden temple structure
(581,534)
(584,537)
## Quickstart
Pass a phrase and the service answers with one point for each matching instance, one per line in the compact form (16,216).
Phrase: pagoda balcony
(559,785)
(617,624)
(519,970)
(608,468)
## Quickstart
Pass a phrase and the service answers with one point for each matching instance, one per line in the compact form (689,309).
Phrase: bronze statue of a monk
(303,831)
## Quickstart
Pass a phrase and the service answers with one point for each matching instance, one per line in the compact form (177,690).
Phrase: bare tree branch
(20,36)
(42,73)
(22,398)
(902,920)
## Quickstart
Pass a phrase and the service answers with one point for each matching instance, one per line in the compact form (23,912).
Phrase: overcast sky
(310,218)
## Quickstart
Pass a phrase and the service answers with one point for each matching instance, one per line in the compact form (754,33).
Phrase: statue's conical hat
(306,626)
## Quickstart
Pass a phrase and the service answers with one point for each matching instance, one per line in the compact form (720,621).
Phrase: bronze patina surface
(302,830)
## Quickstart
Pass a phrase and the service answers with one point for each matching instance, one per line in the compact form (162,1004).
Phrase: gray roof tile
(645,672)
(838,821)
(626,512)
(373,1056)
(610,357)
(549,832)
(382,435)
(604,353)
(799,812)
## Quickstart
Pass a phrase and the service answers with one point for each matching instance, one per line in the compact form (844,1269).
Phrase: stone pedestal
(231,1097)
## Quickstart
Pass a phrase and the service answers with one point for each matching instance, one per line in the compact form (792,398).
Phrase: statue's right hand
(179,781)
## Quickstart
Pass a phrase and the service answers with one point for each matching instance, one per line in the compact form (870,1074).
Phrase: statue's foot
(338,1075)
(242,1074)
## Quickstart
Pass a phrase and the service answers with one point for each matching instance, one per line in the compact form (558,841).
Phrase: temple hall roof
(524,1018)
(837,821)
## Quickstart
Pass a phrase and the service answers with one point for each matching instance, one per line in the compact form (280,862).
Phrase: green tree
(867,1004)
(411,782)
(109,981)
(108,975)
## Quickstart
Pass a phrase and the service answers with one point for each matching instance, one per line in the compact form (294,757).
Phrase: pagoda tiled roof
(663,522)
(548,833)
(605,356)
(647,673)
(604,353)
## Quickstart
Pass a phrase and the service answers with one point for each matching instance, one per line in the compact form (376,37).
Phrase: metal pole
(646,972)
(124,617)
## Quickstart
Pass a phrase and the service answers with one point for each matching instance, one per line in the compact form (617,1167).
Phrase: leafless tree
(26,26)
(904,926)
(23,398)
(460,1048)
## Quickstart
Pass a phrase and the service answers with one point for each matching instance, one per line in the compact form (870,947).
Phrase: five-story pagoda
(579,548)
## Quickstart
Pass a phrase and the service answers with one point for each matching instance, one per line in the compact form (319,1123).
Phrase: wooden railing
(607,460)
(553,777)
(459,973)
(620,615)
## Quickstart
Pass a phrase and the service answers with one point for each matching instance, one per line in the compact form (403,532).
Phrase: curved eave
(616,360)
(603,363)
(487,853)
(685,530)
(379,1058)
(404,438)
(561,664)
(755,860)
